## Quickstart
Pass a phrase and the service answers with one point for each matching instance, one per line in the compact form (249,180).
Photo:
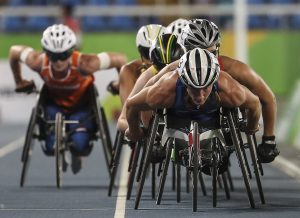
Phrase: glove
(112,88)
(26,87)
(267,150)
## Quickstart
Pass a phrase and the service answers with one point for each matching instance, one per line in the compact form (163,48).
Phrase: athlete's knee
(80,143)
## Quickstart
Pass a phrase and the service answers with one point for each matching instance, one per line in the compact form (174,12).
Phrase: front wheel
(59,150)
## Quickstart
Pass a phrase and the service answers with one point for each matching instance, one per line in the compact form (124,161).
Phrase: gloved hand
(25,86)
(267,150)
(113,87)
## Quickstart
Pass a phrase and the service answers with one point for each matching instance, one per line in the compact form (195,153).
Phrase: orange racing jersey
(68,92)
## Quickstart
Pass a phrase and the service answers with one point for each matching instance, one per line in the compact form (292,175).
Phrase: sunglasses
(59,56)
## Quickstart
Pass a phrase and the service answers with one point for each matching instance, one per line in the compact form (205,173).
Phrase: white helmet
(176,27)
(198,68)
(146,35)
(200,33)
(58,38)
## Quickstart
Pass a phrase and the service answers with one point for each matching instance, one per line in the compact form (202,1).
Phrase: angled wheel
(59,149)
(261,170)
(153,182)
(116,160)
(102,128)
(195,165)
(255,167)
(134,163)
(201,180)
(226,188)
(240,159)
(28,146)
(214,172)
(149,148)
(178,182)
(165,170)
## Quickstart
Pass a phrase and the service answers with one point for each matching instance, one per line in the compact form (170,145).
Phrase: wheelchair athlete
(163,52)
(176,27)
(130,72)
(195,90)
(67,75)
(201,33)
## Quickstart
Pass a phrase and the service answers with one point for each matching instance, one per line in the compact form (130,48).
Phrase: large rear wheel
(28,146)
(240,159)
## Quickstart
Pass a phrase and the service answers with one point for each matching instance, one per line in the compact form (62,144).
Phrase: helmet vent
(203,32)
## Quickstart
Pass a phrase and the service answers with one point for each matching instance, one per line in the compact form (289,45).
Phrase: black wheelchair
(37,128)
(213,160)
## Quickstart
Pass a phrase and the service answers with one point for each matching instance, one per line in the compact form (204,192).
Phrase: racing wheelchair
(37,127)
(210,160)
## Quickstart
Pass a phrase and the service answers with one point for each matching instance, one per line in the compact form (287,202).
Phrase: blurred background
(263,33)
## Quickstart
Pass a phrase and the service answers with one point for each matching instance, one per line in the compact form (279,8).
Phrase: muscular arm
(33,61)
(128,77)
(90,63)
(159,95)
(166,69)
(235,95)
(249,78)
(146,79)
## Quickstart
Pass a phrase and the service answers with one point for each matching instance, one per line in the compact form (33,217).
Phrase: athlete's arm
(32,58)
(91,63)
(159,95)
(249,78)
(128,76)
(234,94)
(170,67)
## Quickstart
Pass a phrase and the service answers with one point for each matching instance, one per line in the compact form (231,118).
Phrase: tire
(228,175)
(28,146)
(255,167)
(149,147)
(140,169)
(261,170)
(203,188)
(226,188)
(115,161)
(59,149)
(132,172)
(153,181)
(187,180)
(165,171)
(214,172)
(195,165)
(240,159)
(178,183)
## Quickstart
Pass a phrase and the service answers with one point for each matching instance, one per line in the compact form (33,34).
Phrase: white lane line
(52,209)
(288,167)
(121,197)
(14,145)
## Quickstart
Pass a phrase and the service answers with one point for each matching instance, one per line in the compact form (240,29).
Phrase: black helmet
(164,50)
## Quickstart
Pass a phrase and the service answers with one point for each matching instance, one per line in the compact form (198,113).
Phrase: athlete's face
(199,96)
(214,49)
(60,65)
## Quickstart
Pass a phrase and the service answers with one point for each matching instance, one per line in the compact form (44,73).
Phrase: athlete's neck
(60,74)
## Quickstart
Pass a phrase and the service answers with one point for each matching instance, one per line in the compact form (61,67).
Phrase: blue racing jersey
(205,113)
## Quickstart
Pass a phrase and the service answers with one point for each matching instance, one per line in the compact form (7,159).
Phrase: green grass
(92,43)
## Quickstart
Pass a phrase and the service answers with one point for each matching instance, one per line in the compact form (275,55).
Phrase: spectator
(69,20)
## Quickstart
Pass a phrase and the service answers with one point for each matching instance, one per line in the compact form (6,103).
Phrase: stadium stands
(100,23)
(94,23)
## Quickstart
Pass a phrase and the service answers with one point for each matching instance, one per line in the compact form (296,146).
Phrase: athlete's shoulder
(133,66)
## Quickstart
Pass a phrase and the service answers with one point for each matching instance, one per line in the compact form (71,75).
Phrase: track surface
(85,194)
